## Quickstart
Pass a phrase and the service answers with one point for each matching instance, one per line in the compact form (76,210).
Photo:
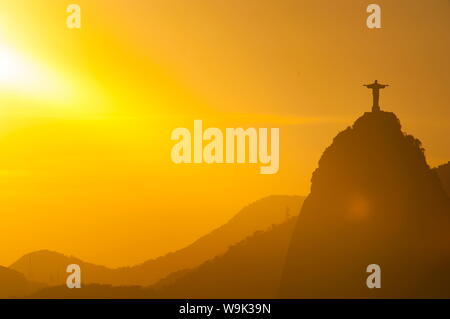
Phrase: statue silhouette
(376,94)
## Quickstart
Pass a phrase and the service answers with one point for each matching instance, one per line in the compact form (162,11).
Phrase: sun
(34,85)
(26,77)
(13,70)
(21,75)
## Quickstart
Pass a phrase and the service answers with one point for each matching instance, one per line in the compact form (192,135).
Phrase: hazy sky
(86,115)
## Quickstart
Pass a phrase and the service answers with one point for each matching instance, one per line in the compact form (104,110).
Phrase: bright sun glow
(20,75)
(13,71)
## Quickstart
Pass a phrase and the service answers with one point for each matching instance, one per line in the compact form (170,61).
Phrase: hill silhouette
(444,174)
(373,200)
(13,284)
(50,267)
(251,268)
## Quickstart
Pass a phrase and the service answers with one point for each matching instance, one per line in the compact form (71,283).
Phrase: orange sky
(86,115)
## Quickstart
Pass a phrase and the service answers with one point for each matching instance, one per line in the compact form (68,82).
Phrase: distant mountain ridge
(13,284)
(251,268)
(49,267)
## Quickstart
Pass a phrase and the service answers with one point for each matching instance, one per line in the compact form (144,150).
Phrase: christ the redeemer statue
(376,94)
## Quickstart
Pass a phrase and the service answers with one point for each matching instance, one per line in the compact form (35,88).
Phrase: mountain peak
(374,158)
(373,199)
